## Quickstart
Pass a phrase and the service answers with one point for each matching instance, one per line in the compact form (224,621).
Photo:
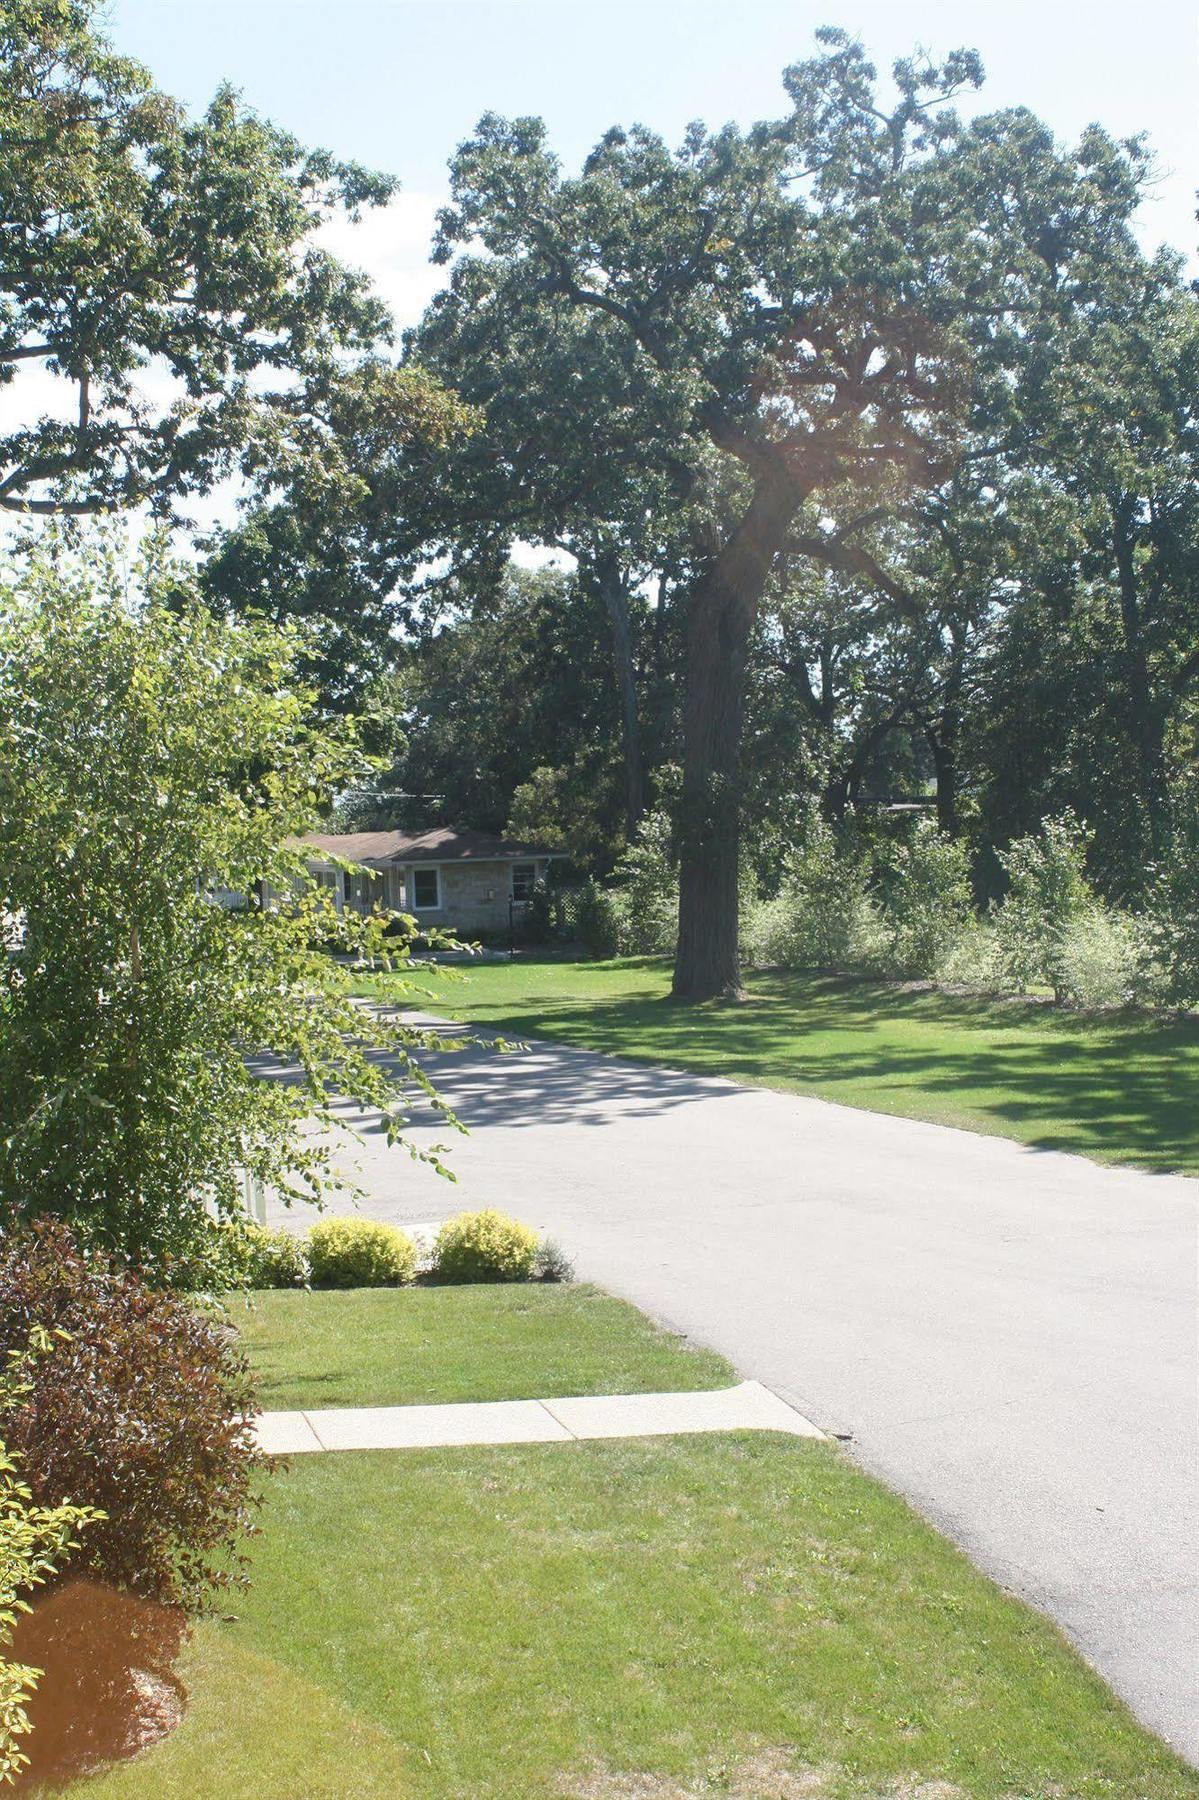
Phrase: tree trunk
(945,763)
(615,597)
(721,611)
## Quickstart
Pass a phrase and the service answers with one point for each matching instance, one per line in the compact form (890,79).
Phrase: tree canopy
(870,430)
(167,270)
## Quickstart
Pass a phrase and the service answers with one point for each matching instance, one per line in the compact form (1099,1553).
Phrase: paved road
(1008,1335)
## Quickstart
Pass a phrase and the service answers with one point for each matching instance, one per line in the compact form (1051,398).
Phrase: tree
(138,245)
(583,448)
(339,524)
(511,688)
(819,299)
(153,762)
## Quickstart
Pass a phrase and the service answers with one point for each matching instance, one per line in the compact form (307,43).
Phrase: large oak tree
(825,301)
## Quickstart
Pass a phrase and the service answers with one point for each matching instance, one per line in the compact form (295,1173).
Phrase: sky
(398,84)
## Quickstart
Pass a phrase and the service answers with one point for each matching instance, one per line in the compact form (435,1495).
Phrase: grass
(741,1615)
(532,1623)
(388,1347)
(1121,1088)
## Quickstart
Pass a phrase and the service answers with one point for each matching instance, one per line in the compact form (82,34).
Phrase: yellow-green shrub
(485,1246)
(272,1259)
(360,1253)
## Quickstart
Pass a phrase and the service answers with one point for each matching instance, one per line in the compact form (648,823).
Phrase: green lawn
(534,1623)
(739,1615)
(383,1347)
(1120,1088)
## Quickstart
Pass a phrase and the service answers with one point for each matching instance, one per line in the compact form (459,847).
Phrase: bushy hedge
(823,916)
(485,1246)
(141,1407)
(360,1253)
(912,917)
(270,1259)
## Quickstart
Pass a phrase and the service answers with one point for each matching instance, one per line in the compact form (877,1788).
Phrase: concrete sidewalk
(746,1407)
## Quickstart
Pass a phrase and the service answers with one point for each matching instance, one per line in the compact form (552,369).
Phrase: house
(466,880)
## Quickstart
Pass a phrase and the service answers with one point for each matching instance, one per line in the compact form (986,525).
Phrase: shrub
(360,1253)
(596,918)
(1101,959)
(34,1542)
(649,893)
(141,1408)
(823,917)
(485,1246)
(928,904)
(272,1259)
(1173,912)
(552,1263)
(972,960)
(1047,889)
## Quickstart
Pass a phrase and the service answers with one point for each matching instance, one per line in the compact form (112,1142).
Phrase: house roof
(444,844)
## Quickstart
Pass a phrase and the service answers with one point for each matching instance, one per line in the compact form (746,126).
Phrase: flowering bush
(140,1407)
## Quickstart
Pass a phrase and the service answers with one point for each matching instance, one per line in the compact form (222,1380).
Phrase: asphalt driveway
(1007,1336)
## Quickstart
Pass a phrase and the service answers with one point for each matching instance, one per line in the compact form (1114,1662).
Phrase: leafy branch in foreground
(170,1020)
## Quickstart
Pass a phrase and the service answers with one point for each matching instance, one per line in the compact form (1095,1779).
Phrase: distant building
(463,879)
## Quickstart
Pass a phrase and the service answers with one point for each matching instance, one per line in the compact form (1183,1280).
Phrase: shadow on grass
(1122,1088)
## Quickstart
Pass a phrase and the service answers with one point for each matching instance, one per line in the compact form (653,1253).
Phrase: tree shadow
(1124,1088)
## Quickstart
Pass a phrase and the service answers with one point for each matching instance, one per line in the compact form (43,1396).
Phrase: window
(426,890)
(524,880)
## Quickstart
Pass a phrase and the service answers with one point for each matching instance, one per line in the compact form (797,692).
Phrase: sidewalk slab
(420,1427)
(285,1434)
(747,1407)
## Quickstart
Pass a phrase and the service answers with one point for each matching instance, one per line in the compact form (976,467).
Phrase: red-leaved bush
(141,1407)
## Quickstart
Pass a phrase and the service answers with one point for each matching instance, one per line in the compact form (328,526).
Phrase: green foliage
(595,918)
(823,916)
(349,1253)
(972,960)
(1047,890)
(134,233)
(35,1541)
(472,739)
(1173,910)
(649,891)
(269,1259)
(562,809)
(1100,958)
(928,899)
(485,1246)
(151,761)
(141,1407)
